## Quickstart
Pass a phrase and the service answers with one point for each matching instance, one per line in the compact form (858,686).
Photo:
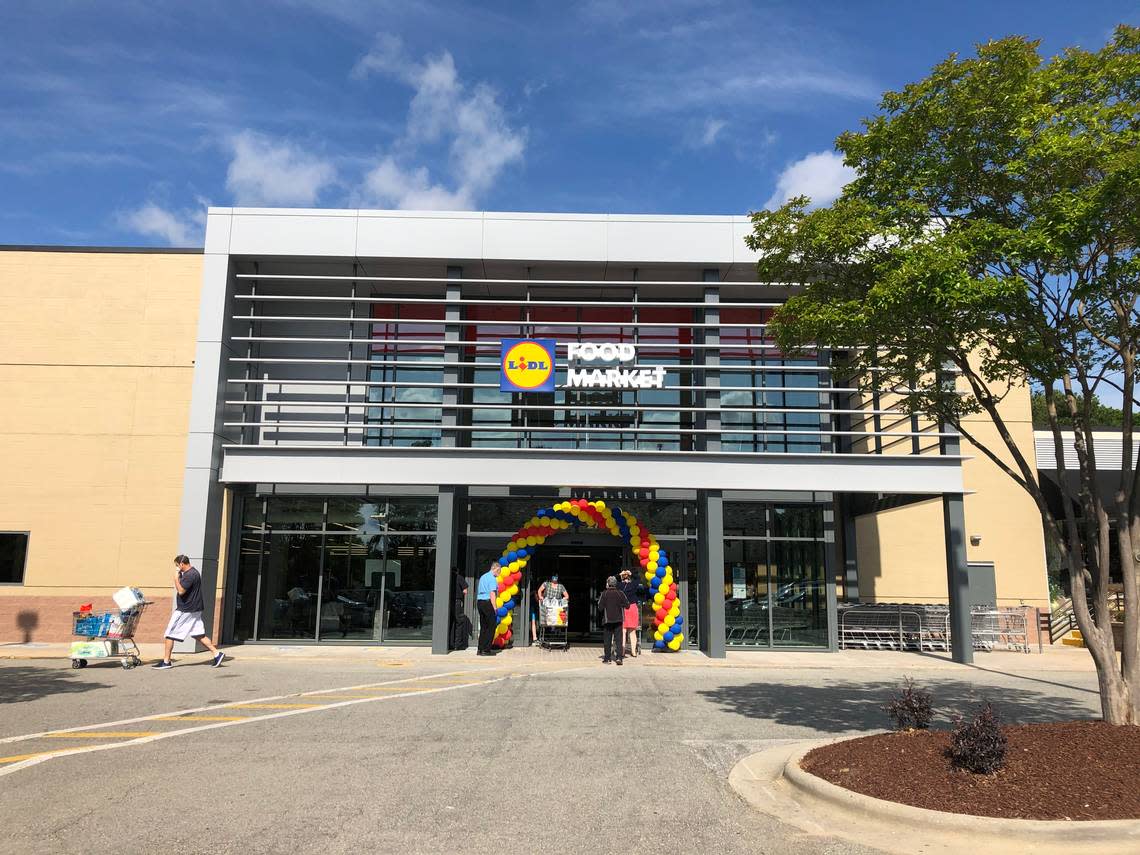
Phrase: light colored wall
(901,552)
(96,359)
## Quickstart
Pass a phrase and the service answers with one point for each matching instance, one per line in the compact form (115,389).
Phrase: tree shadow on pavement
(19,683)
(845,706)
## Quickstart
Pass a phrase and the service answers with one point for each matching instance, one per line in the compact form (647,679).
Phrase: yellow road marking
(15,758)
(322,696)
(269,706)
(200,718)
(404,688)
(104,734)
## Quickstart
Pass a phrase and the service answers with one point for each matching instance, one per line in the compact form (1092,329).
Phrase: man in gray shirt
(186,621)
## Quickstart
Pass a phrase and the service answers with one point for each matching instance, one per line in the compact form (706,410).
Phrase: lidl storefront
(382,396)
(375,397)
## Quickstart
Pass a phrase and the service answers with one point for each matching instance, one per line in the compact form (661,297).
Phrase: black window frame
(27,548)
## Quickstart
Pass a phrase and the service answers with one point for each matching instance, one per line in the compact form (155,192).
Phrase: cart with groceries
(108,635)
(554,623)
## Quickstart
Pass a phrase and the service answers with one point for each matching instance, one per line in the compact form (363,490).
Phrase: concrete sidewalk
(1058,658)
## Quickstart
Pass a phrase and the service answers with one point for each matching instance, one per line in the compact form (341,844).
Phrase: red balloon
(672,587)
(644,562)
(503,586)
(661,615)
(644,552)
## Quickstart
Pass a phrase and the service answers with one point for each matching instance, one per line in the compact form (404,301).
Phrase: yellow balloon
(600,505)
(531,540)
(658,598)
(668,580)
(675,644)
(508,620)
(663,589)
(658,635)
(539,540)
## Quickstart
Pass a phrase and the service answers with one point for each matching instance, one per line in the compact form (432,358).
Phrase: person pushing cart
(553,614)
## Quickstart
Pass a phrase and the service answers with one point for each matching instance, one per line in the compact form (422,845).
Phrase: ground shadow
(19,683)
(845,706)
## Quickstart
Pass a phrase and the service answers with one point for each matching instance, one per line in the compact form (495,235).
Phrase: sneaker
(163,664)
(218,659)
(619,662)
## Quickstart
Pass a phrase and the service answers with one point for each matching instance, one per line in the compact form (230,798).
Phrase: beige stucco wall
(901,552)
(96,360)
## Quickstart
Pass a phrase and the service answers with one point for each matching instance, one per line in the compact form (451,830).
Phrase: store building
(331,384)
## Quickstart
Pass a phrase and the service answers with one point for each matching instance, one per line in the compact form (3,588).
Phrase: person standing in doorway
(612,604)
(552,589)
(485,603)
(631,622)
(186,621)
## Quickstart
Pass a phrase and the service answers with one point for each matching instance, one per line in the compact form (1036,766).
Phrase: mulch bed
(1072,770)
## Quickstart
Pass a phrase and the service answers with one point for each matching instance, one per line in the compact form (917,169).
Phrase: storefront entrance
(582,561)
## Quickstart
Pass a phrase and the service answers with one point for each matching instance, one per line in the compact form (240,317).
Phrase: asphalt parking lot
(526,752)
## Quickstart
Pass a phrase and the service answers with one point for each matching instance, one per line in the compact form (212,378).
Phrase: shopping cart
(108,635)
(554,624)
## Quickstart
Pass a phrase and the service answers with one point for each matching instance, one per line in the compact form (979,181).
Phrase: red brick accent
(48,619)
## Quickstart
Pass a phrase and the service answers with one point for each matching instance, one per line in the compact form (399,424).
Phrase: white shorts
(185,625)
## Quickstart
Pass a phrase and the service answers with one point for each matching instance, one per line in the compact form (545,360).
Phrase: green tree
(991,231)
(1100,415)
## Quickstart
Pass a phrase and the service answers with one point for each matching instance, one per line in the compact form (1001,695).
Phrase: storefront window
(774,576)
(355,573)
(290,571)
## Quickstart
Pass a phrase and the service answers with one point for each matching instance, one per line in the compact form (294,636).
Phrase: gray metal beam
(957,572)
(445,559)
(832,563)
(710,572)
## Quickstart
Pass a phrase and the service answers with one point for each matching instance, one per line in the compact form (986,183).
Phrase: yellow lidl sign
(527,365)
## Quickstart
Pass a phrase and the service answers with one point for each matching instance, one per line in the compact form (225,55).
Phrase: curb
(1029,832)
(772,781)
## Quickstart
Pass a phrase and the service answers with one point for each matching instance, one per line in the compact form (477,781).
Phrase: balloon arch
(547,522)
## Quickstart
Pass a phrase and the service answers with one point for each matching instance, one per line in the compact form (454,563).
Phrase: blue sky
(121,121)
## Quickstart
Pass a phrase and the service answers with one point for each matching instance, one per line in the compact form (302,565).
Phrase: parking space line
(306,709)
(271,706)
(219,706)
(200,718)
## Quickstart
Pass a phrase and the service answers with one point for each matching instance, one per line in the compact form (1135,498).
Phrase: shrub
(910,709)
(979,744)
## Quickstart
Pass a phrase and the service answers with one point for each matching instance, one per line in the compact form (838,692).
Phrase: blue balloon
(541,512)
(512,555)
(680,620)
(524,552)
(660,645)
(501,611)
(669,636)
(510,605)
(660,574)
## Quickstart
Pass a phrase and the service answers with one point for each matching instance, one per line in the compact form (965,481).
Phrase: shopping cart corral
(918,626)
(107,635)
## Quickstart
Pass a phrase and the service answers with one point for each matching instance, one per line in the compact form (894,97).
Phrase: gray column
(957,579)
(452,333)
(709,356)
(446,540)
(710,572)
(954,525)
(200,521)
(845,529)
(832,562)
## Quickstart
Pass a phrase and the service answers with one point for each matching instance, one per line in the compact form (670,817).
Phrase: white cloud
(177,228)
(444,110)
(712,130)
(265,171)
(820,176)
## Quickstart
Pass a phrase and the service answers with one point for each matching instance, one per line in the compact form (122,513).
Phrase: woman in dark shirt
(612,604)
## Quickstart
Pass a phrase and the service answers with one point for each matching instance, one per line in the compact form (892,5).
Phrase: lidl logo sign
(527,365)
